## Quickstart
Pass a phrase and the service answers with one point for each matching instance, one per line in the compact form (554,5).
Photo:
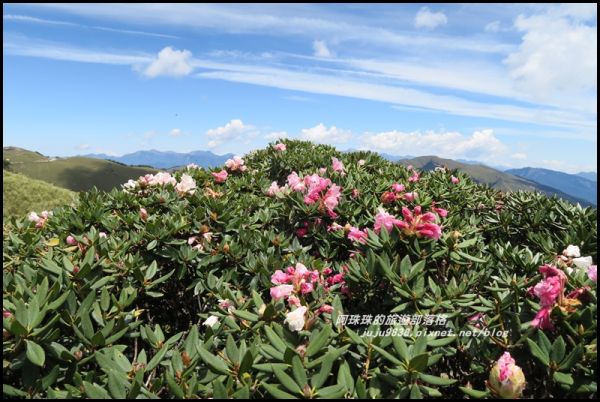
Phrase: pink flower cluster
(220,177)
(415,222)
(280,147)
(40,220)
(549,290)
(197,241)
(317,189)
(337,166)
(295,280)
(187,185)
(389,197)
(235,164)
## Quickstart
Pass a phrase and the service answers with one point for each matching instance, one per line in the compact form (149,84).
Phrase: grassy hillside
(77,173)
(492,177)
(22,195)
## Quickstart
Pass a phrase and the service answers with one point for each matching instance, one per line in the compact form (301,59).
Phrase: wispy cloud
(276,21)
(36,20)
(428,19)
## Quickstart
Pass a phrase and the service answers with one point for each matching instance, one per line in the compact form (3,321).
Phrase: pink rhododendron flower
(548,290)
(572,251)
(334,227)
(6,314)
(455,180)
(40,220)
(410,196)
(414,178)
(337,165)
(388,197)
(301,232)
(192,166)
(325,308)
(506,378)
(220,177)
(477,319)
(327,271)
(187,185)
(398,187)
(542,319)
(322,171)
(355,193)
(280,147)
(281,291)
(358,235)
(235,164)
(102,235)
(592,273)
(361,162)
(294,301)
(387,221)
(421,224)
(280,277)
(273,189)
(295,182)
(71,241)
(306,287)
(226,304)
(143,214)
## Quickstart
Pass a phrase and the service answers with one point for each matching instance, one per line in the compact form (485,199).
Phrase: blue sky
(511,85)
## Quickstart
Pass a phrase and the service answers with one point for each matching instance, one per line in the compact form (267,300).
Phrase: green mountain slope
(22,195)
(77,173)
(492,177)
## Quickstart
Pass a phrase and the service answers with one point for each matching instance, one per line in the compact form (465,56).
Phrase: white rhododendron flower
(187,185)
(295,319)
(572,251)
(211,321)
(583,262)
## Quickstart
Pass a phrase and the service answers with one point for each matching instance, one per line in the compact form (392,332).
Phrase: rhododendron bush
(268,277)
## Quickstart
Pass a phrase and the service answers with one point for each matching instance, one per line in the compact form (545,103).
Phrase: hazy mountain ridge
(572,184)
(494,178)
(167,159)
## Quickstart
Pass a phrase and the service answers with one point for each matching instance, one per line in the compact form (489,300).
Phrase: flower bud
(506,378)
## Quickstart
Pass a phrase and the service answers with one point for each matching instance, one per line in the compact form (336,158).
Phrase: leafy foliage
(130,307)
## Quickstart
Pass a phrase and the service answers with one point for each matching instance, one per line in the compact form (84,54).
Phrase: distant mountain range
(81,173)
(572,184)
(167,159)
(593,176)
(500,180)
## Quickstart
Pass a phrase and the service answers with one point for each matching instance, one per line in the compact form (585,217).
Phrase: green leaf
(246,315)
(35,353)
(558,350)
(318,341)
(419,362)
(475,393)
(572,358)
(286,381)
(298,370)
(431,379)
(563,378)
(277,393)
(215,363)
(538,353)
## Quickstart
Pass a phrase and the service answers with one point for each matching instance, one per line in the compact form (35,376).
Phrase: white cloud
(275,135)
(328,135)
(176,132)
(170,62)
(150,134)
(83,147)
(447,144)
(557,60)
(493,26)
(235,130)
(428,19)
(321,49)
(519,156)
